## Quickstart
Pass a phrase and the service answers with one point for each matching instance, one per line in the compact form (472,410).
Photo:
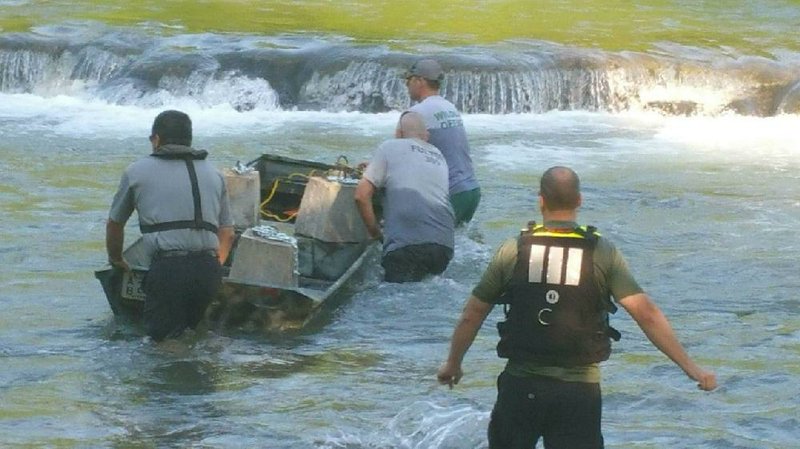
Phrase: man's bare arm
(115,239)
(363,197)
(226,235)
(657,328)
(472,317)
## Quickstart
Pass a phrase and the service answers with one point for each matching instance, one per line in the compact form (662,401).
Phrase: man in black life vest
(186,225)
(556,282)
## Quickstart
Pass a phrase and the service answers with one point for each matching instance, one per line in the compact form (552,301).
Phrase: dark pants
(566,415)
(414,262)
(178,291)
(465,204)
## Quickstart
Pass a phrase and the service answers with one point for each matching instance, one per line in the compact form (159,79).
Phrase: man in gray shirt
(185,220)
(447,133)
(418,236)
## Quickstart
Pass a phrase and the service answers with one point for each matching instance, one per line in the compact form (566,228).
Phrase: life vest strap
(180,224)
(197,222)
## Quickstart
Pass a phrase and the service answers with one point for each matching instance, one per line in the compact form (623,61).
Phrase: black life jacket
(198,222)
(555,313)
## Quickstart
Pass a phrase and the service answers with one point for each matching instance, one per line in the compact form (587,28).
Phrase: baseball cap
(426,68)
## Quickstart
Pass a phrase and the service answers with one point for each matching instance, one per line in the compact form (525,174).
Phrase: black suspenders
(197,222)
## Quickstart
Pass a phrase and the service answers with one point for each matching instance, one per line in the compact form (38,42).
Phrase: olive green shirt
(611,275)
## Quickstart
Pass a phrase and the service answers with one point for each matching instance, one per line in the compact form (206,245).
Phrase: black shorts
(413,263)
(566,415)
(178,291)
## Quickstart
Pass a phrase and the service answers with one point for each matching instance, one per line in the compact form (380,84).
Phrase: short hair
(412,124)
(173,127)
(560,188)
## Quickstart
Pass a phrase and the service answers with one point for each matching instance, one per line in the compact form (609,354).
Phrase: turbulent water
(290,72)
(680,117)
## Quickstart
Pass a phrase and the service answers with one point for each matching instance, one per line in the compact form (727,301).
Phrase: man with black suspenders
(186,224)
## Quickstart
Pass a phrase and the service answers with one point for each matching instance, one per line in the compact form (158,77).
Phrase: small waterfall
(24,70)
(361,86)
(342,77)
(523,92)
(97,65)
(131,79)
(612,82)
(204,89)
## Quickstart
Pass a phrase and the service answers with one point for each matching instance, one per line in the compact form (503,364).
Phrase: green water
(741,25)
(703,208)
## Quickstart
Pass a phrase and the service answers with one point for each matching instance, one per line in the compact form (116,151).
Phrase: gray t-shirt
(160,191)
(447,133)
(416,205)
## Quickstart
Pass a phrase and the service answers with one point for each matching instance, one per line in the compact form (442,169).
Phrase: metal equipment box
(328,213)
(244,190)
(261,260)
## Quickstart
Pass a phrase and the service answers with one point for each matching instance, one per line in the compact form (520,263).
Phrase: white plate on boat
(133,285)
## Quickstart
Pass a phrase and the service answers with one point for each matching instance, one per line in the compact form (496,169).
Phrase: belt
(161,254)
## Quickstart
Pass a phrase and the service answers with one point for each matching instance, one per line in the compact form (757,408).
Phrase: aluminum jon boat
(300,248)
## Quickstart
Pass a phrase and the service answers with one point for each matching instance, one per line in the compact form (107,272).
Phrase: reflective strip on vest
(559,270)
(536,263)
(574,262)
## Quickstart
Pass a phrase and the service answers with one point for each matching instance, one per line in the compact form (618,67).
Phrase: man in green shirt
(556,331)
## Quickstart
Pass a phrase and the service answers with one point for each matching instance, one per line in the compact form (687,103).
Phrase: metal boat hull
(326,255)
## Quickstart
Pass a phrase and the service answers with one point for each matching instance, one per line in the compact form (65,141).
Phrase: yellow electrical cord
(271,194)
(277,218)
(344,167)
(266,213)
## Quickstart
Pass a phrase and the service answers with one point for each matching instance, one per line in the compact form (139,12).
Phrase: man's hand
(119,263)
(706,380)
(375,233)
(449,375)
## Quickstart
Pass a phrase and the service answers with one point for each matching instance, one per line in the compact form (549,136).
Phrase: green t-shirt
(611,274)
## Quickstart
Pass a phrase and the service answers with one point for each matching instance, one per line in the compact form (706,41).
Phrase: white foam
(81,117)
(734,137)
(422,425)
(509,142)
(519,142)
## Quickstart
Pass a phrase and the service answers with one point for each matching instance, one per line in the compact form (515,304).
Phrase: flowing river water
(681,118)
